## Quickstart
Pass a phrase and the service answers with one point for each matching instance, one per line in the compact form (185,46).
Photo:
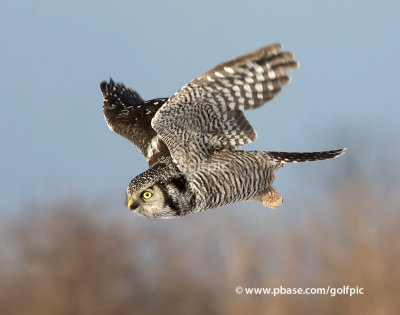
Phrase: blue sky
(53,55)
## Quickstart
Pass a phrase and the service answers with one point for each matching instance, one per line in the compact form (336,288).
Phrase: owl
(191,139)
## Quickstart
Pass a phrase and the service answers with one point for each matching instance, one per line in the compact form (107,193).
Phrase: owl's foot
(269,198)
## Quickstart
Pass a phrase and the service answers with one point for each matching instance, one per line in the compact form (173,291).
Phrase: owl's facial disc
(145,201)
(153,202)
(145,196)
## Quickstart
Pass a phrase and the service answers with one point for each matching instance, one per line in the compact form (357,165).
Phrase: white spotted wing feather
(207,114)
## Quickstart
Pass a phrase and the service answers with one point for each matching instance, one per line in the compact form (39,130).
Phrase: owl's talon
(269,198)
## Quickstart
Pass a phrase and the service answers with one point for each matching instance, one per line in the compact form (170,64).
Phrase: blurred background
(69,246)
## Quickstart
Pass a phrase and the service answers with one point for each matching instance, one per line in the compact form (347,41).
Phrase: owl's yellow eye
(147,195)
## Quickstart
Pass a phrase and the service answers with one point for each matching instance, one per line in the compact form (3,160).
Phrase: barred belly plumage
(231,176)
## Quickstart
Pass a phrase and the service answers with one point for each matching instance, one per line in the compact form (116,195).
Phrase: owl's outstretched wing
(207,113)
(129,116)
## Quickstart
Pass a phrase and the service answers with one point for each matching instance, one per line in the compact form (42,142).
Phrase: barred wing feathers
(207,113)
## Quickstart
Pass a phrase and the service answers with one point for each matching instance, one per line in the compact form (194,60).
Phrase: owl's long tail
(294,157)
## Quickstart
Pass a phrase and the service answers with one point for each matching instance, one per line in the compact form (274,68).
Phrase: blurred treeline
(76,258)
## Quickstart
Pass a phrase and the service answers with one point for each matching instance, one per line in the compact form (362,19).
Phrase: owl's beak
(132,205)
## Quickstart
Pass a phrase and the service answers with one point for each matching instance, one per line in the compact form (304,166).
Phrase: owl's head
(158,193)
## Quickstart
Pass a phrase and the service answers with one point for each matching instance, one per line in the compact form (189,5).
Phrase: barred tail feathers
(294,157)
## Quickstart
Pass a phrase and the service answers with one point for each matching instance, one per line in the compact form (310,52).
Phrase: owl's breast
(230,176)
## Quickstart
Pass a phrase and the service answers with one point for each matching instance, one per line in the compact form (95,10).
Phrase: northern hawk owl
(190,139)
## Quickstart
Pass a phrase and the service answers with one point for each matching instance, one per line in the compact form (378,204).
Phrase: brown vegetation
(75,259)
